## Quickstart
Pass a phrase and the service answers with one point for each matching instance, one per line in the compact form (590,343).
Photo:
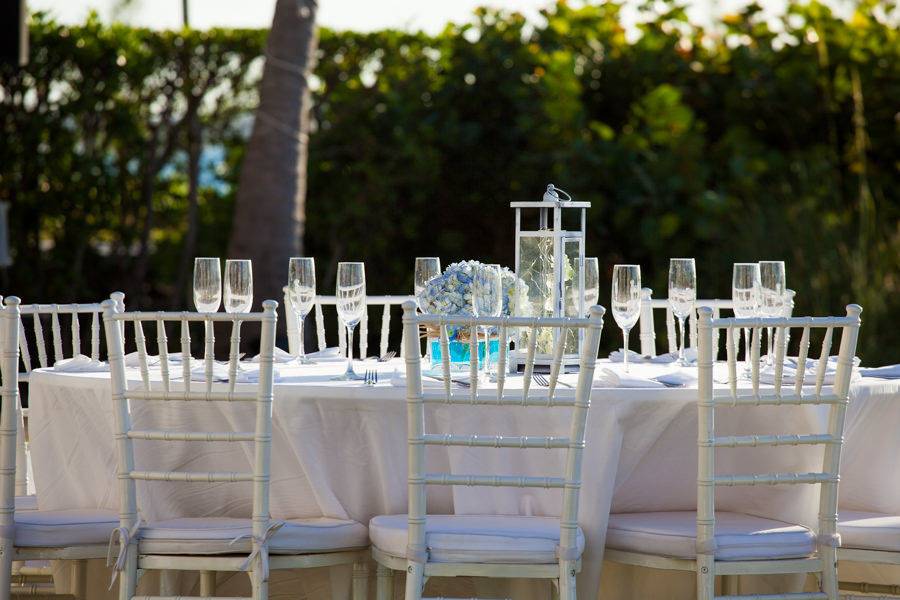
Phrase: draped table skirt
(339,450)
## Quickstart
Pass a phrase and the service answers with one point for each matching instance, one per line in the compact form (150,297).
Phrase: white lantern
(550,237)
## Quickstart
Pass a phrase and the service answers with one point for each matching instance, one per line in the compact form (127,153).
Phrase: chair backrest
(10,413)
(573,444)
(798,393)
(387,303)
(39,312)
(648,327)
(164,390)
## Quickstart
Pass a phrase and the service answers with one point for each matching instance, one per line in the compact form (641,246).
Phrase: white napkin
(333,352)
(281,356)
(609,378)
(80,364)
(132,359)
(679,378)
(886,372)
(690,354)
(245,374)
(789,373)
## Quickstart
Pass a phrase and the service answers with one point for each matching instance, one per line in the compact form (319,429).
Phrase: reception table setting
(341,438)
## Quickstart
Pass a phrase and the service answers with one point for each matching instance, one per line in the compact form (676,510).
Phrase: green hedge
(741,143)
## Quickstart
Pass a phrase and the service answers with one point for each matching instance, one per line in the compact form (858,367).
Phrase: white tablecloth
(339,450)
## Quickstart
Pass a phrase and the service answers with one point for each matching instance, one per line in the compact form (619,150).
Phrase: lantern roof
(554,197)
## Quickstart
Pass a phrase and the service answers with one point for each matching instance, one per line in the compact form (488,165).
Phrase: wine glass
(302,294)
(626,300)
(238,286)
(351,305)
(682,294)
(772,284)
(745,296)
(427,268)
(487,301)
(591,283)
(207,284)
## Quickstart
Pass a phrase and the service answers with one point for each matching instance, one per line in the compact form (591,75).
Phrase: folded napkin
(80,364)
(681,378)
(690,354)
(609,378)
(281,356)
(886,372)
(245,374)
(332,352)
(133,359)
(791,368)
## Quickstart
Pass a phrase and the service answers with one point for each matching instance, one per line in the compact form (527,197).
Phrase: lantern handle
(553,192)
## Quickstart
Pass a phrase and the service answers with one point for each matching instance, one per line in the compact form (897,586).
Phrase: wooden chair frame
(10,429)
(415,563)
(131,561)
(872,557)
(385,302)
(824,562)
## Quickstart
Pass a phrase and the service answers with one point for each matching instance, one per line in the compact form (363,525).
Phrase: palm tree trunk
(269,209)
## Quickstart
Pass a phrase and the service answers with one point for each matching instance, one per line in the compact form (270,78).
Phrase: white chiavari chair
(213,544)
(386,303)
(872,539)
(647,326)
(488,545)
(37,535)
(712,542)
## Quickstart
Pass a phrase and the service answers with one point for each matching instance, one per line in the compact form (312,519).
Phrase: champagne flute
(745,296)
(487,301)
(238,286)
(302,294)
(772,283)
(427,268)
(351,305)
(591,283)
(207,284)
(626,300)
(682,294)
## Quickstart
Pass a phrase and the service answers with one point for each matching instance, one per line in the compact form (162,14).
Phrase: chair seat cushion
(503,539)
(26,502)
(217,535)
(869,531)
(63,528)
(738,536)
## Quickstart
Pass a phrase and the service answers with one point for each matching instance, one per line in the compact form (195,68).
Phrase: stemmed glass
(302,294)
(745,296)
(351,304)
(682,294)
(238,286)
(591,283)
(427,268)
(626,300)
(487,301)
(772,282)
(207,294)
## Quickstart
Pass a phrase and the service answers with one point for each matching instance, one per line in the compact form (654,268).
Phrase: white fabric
(80,364)
(621,379)
(61,528)
(215,535)
(26,502)
(339,450)
(133,359)
(738,536)
(790,370)
(281,356)
(245,373)
(887,372)
(869,531)
(617,356)
(475,538)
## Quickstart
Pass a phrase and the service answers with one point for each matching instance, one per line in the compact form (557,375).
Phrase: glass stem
(301,351)
(350,371)
(771,339)
(747,350)
(625,334)
(681,346)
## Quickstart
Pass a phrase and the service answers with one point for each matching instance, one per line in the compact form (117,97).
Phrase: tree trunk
(269,209)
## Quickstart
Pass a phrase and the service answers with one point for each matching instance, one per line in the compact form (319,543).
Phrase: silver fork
(387,356)
(371,377)
(544,382)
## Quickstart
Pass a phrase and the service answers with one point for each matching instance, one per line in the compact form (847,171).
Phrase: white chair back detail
(125,434)
(648,328)
(9,416)
(387,303)
(799,393)
(419,478)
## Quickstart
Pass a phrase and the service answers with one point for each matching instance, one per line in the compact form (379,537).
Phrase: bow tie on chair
(124,536)
(261,548)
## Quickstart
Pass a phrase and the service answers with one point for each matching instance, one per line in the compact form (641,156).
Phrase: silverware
(458,382)
(387,356)
(371,377)
(544,382)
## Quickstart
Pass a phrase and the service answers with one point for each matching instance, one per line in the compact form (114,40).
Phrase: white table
(339,450)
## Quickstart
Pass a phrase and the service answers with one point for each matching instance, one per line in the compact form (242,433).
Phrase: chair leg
(260,588)
(415,580)
(384,589)
(6,554)
(128,577)
(208,583)
(361,579)
(829,580)
(79,579)
(567,580)
(706,578)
